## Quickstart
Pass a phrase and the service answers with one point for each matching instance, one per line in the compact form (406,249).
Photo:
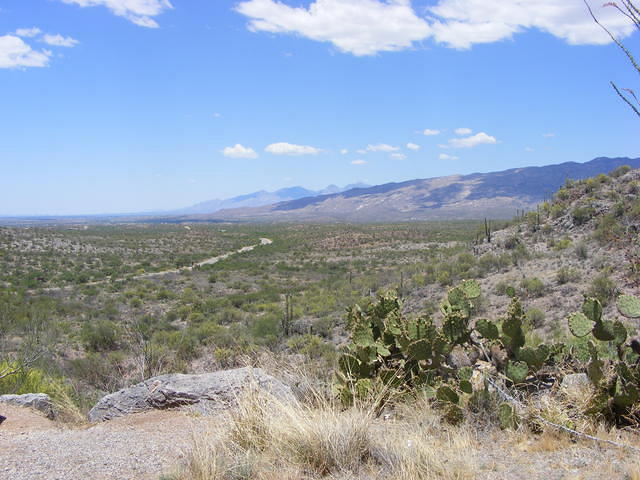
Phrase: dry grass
(267,439)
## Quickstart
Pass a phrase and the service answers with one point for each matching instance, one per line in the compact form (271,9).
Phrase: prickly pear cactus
(580,325)
(617,386)
(629,306)
(508,416)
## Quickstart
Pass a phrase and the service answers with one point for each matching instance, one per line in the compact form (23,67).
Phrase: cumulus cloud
(15,53)
(28,32)
(344,151)
(398,156)
(359,27)
(140,12)
(239,151)
(382,147)
(429,132)
(444,156)
(359,162)
(413,146)
(472,141)
(463,131)
(462,23)
(59,40)
(283,148)
(367,27)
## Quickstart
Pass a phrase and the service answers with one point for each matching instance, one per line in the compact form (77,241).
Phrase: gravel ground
(142,446)
(145,446)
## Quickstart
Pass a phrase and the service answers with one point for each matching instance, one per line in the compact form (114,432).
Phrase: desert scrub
(567,275)
(603,288)
(267,439)
(533,287)
(582,215)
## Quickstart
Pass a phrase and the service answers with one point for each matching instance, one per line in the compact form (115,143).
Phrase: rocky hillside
(495,195)
(583,242)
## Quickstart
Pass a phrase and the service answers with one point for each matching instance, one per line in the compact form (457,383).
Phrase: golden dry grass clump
(267,439)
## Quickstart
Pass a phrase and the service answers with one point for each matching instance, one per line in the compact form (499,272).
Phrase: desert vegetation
(470,326)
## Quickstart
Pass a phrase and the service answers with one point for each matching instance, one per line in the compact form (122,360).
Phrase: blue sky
(134,105)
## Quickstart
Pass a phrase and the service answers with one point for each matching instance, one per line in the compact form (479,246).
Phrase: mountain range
(261,198)
(494,195)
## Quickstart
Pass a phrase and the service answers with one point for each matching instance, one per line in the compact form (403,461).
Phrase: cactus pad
(487,329)
(447,394)
(517,371)
(620,332)
(471,288)
(604,331)
(508,416)
(592,308)
(628,306)
(580,325)
(534,358)
(455,328)
(419,350)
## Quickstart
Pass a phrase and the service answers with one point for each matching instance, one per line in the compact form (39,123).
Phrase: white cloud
(472,141)
(139,12)
(217,115)
(359,162)
(462,23)
(444,156)
(239,151)
(413,146)
(382,147)
(361,151)
(398,156)
(283,148)
(548,135)
(15,53)
(359,27)
(366,27)
(59,40)
(463,131)
(429,132)
(528,149)
(344,151)
(28,32)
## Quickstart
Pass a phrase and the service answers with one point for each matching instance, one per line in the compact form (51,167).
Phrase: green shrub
(620,171)
(512,242)
(603,288)
(567,275)
(563,243)
(25,380)
(582,215)
(100,336)
(535,317)
(533,287)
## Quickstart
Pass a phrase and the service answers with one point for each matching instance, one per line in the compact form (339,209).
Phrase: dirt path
(142,446)
(208,261)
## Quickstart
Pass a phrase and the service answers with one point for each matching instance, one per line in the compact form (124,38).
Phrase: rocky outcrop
(38,401)
(205,392)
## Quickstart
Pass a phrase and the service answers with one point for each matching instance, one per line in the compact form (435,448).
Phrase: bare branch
(628,102)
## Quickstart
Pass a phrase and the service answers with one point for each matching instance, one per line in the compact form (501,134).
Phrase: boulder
(38,401)
(205,392)
(575,383)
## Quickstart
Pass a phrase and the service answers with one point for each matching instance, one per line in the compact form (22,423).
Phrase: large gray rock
(575,383)
(37,401)
(205,392)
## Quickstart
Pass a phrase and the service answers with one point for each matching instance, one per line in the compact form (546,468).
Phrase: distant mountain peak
(477,195)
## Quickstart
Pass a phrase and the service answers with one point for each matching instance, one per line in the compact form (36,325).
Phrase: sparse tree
(632,12)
